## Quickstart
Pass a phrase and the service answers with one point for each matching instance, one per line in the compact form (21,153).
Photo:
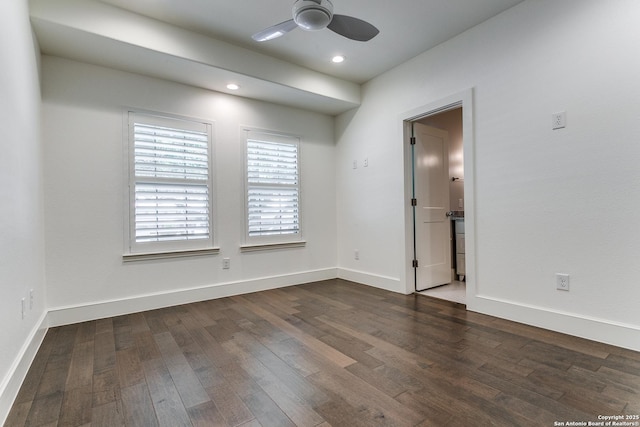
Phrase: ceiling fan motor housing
(312,15)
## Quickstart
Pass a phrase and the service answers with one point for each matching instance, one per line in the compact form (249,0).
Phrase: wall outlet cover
(558,120)
(562,282)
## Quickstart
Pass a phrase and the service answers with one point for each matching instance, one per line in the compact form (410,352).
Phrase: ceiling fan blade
(276,31)
(352,28)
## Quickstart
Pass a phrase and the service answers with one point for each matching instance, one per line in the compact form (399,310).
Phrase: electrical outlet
(558,120)
(562,282)
(356,254)
(355,164)
(366,163)
(226,263)
(31,299)
(23,305)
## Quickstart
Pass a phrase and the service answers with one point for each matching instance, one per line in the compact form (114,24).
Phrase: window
(170,184)
(272,188)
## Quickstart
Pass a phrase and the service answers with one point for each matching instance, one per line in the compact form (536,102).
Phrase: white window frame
(258,242)
(135,250)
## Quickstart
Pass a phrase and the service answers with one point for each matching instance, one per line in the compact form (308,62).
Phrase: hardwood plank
(52,382)
(198,311)
(338,412)
(86,332)
(104,349)
(318,298)
(286,395)
(316,345)
(361,394)
(76,407)
(596,403)
(129,367)
(137,406)
(146,346)
(386,385)
(263,408)
(532,413)
(206,415)
(45,409)
(231,407)
(620,363)
(155,321)
(81,368)
(107,415)
(352,349)
(122,332)
(380,345)
(245,348)
(138,323)
(209,345)
(223,329)
(60,355)
(104,326)
(106,388)
(623,381)
(533,382)
(168,406)
(221,390)
(185,380)
(434,415)
(294,354)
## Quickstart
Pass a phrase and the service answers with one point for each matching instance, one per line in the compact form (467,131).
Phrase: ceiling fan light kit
(314,15)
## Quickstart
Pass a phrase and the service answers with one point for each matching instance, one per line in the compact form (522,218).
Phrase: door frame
(464,100)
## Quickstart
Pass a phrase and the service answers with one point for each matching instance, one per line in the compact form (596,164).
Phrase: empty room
(258,213)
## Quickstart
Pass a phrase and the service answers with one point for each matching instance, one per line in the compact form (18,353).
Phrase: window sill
(271,246)
(169,254)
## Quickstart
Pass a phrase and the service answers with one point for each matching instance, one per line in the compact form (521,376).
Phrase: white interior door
(432,226)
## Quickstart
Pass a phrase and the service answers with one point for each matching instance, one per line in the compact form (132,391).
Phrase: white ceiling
(119,33)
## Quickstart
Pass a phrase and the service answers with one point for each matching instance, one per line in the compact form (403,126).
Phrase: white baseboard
(100,309)
(382,282)
(591,328)
(11,384)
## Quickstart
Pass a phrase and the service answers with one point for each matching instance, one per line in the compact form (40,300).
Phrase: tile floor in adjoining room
(454,291)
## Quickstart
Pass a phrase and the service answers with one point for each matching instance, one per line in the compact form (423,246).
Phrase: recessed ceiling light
(233,86)
(337,59)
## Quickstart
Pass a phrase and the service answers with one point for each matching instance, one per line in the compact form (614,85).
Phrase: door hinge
(415,263)
(412,140)
(414,202)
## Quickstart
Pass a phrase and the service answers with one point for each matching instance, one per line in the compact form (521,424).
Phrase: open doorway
(439,226)
(438,166)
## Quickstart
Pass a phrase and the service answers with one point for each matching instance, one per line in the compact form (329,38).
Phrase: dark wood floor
(329,353)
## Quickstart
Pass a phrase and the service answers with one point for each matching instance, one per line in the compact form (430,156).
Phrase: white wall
(546,201)
(21,220)
(84,191)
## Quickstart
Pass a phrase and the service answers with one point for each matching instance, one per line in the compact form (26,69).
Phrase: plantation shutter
(272,186)
(171,194)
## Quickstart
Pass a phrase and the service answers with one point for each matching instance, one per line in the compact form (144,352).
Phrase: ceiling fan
(314,15)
